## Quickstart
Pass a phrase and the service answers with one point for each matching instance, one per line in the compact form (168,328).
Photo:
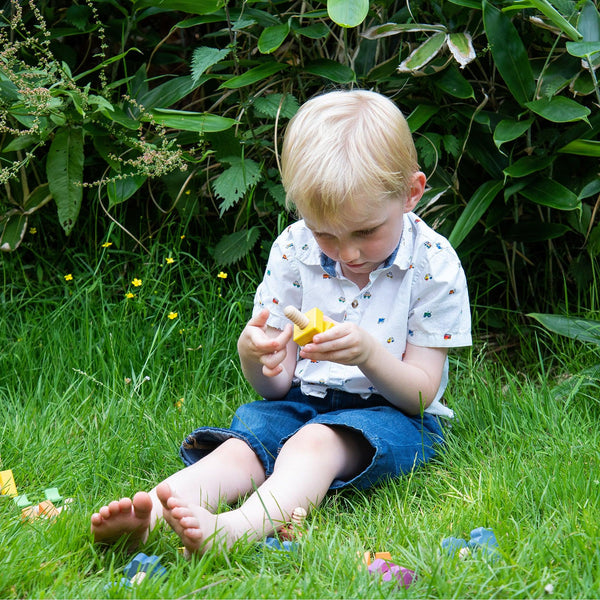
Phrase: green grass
(89,382)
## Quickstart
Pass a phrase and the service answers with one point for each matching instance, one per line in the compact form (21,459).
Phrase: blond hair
(346,146)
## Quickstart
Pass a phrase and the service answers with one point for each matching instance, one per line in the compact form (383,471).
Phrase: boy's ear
(416,190)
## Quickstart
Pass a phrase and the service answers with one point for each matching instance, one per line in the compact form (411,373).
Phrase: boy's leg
(304,470)
(231,470)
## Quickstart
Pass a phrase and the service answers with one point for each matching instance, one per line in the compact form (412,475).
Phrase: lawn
(100,380)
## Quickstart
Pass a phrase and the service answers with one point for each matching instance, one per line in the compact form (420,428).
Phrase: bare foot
(123,517)
(196,526)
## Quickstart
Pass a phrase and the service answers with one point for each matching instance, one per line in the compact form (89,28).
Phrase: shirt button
(354,303)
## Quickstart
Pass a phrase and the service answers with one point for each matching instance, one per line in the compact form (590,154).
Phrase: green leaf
(120,190)
(548,192)
(190,121)
(421,55)
(585,330)
(64,170)
(22,142)
(170,92)
(380,31)
(330,69)
(420,115)
(559,109)
(254,75)
(205,57)
(556,18)
(461,47)
(347,13)
(509,53)
(235,246)
(588,23)
(272,37)
(582,148)
(197,7)
(508,130)
(590,189)
(13,231)
(475,209)
(37,198)
(582,49)
(233,183)
(528,165)
(313,32)
(271,104)
(452,82)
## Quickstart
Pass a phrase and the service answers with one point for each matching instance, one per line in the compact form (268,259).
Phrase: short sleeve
(281,284)
(439,315)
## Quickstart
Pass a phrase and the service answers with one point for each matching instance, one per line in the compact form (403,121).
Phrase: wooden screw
(298,516)
(296,317)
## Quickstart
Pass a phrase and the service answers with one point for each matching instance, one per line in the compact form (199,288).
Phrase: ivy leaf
(233,183)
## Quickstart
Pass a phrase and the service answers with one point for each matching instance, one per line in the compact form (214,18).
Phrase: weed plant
(101,379)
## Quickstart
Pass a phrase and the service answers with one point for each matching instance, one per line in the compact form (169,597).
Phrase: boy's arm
(410,384)
(267,356)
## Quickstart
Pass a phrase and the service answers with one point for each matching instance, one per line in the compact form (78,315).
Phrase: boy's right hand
(264,345)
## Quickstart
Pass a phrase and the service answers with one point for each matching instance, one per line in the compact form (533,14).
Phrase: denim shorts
(400,442)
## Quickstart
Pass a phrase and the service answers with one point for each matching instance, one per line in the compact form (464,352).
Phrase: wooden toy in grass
(306,325)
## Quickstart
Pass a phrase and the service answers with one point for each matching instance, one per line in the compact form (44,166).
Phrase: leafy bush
(501,96)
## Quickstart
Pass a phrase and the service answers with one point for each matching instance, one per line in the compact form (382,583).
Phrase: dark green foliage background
(517,201)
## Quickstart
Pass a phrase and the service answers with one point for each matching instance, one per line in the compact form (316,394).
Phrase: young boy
(360,403)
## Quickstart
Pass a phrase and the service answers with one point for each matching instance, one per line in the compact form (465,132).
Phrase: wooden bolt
(296,317)
(307,325)
(298,516)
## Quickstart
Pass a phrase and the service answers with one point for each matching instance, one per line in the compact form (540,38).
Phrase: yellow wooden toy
(306,325)
(7,483)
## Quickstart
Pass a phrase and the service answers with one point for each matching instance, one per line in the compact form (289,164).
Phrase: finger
(260,320)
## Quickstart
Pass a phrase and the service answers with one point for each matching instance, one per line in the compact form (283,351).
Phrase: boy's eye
(366,232)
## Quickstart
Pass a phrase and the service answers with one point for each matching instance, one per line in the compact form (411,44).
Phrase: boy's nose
(348,253)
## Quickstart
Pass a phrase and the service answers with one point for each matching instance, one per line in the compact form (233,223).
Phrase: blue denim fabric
(400,442)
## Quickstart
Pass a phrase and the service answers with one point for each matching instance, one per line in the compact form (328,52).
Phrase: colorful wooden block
(22,501)
(307,325)
(7,483)
(53,495)
(47,509)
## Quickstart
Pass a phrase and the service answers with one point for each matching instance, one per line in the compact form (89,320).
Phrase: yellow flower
(222,275)
(136,282)
(182,236)
(33,231)
(69,277)
(172,315)
(170,260)
(129,295)
(188,192)
(107,244)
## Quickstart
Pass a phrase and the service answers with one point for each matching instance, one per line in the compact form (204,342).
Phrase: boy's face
(363,238)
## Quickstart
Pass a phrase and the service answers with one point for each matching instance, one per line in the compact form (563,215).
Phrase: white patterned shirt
(419,294)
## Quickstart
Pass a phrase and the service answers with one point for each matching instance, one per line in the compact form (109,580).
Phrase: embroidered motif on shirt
(447,336)
(427,244)
(426,315)
(296,284)
(341,299)
(390,340)
(380,321)
(427,276)
(451,292)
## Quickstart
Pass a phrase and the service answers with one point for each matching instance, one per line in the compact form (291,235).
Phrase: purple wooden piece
(389,570)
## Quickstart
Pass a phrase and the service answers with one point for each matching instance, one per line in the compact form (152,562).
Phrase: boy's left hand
(346,344)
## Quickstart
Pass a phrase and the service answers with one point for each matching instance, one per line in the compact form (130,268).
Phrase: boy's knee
(319,438)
